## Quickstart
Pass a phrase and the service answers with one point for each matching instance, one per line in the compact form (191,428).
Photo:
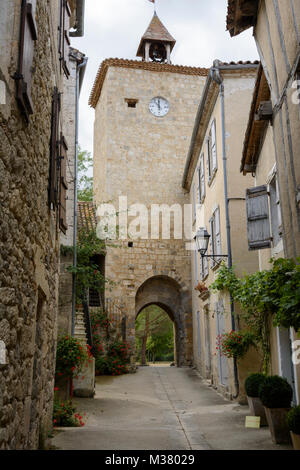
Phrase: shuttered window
(63,185)
(258,219)
(215,239)
(194,204)
(64,41)
(212,160)
(28,36)
(204,268)
(201,176)
(54,151)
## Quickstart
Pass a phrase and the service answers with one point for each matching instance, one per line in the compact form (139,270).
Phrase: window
(196,266)
(194,203)
(275,210)
(28,36)
(199,333)
(201,176)
(215,238)
(131,103)
(63,185)
(54,143)
(64,41)
(212,161)
(263,216)
(204,268)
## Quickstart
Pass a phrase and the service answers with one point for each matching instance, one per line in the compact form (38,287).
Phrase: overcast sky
(113,28)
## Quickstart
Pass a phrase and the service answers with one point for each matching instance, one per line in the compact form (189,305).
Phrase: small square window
(131,102)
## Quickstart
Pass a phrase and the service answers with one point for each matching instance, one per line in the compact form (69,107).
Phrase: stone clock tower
(144,117)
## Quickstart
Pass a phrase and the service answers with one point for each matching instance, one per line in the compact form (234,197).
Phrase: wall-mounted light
(202,238)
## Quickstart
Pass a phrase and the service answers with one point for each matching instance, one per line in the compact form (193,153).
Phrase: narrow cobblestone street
(161,408)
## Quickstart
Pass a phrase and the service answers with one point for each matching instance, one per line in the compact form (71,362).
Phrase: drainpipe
(81,64)
(216,76)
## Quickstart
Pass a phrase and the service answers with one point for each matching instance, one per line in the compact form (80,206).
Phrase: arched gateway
(174,299)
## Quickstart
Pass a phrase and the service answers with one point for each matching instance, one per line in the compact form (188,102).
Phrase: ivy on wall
(266,297)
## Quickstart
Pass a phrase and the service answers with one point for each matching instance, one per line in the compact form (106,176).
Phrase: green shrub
(252,384)
(276,392)
(293,419)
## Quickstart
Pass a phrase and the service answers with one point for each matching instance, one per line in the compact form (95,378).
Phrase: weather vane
(154,3)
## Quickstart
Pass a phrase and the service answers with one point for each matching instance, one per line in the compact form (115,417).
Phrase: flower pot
(295,440)
(277,421)
(257,409)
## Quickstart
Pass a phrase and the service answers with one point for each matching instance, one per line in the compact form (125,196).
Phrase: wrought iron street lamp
(202,238)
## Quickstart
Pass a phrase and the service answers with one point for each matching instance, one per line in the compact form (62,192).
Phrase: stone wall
(29,239)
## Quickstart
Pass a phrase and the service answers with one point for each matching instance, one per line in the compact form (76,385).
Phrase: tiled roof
(241,62)
(87,219)
(241,15)
(158,32)
(137,64)
(256,128)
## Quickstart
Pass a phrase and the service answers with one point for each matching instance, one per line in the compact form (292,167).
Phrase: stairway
(80,332)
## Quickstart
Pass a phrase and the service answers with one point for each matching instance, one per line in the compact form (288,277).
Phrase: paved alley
(161,408)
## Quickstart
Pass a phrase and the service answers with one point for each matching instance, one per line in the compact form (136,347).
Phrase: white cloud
(113,28)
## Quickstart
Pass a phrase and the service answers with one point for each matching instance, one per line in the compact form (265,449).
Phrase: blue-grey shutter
(208,160)
(205,267)
(211,241)
(218,232)
(258,218)
(202,179)
(214,147)
(194,203)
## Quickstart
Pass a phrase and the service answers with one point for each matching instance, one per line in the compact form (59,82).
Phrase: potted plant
(201,287)
(293,420)
(252,384)
(276,395)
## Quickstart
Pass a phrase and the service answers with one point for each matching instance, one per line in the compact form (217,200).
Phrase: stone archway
(174,299)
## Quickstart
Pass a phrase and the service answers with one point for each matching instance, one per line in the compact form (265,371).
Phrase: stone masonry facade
(29,233)
(141,157)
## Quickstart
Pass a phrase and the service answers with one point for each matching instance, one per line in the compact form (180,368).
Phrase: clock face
(159,106)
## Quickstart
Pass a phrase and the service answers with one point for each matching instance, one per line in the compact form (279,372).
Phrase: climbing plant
(88,273)
(265,296)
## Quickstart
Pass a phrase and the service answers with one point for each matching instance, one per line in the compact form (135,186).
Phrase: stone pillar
(147,51)
(168,49)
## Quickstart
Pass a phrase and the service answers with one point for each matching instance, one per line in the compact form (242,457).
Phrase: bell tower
(157,43)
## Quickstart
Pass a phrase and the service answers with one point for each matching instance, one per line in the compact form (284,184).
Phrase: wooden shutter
(258,218)
(194,203)
(208,159)
(218,233)
(63,185)
(53,176)
(214,160)
(204,267)
(202,179)
(28,36)
(64,41)
(212,241)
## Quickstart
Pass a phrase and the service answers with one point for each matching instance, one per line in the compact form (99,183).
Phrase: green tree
(85,182)
(154,334)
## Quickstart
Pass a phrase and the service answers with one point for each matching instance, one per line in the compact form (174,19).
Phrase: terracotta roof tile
(87,219)
(137,64)
(241,15)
